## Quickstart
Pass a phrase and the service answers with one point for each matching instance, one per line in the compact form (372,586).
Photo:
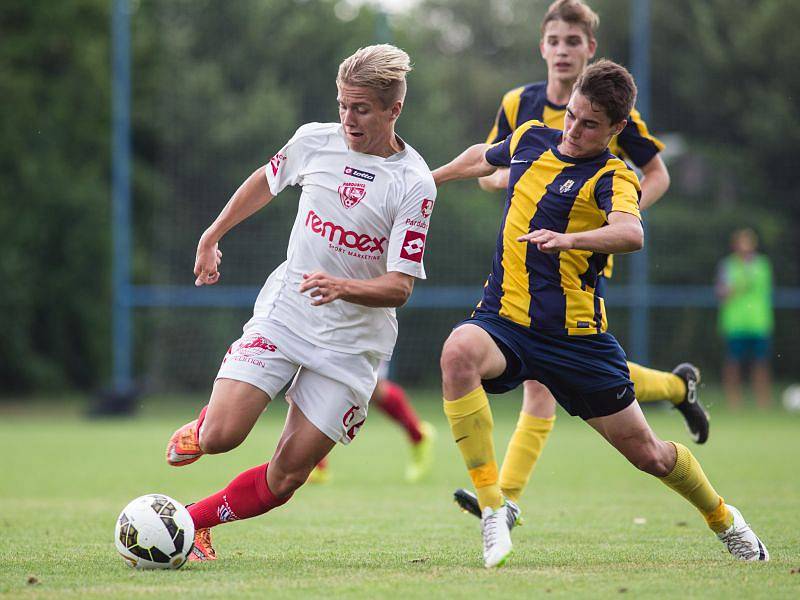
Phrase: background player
(570,203)
(325,318)
(567,44)
(391,399)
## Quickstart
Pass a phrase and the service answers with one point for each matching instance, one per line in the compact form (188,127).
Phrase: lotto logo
(413,246)
(358,173)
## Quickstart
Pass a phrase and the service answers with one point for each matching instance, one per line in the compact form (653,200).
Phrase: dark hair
(574,12)
(608,85)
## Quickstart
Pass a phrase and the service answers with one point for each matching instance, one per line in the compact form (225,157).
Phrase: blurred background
(127,124)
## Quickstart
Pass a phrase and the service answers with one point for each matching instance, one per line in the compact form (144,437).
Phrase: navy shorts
(742,348)
(587,374)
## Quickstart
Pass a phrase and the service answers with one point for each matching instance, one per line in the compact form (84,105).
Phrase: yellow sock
(651,385)
(523,451)
(471,423)
(688,479)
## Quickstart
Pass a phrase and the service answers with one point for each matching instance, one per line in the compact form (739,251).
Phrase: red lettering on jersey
(336,234)
(275,162)
(352,193)
(413,246)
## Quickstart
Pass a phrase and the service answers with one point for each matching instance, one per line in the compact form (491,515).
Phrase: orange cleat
(202,549)
(183,447)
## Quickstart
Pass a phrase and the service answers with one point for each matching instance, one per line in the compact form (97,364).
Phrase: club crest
(352,193)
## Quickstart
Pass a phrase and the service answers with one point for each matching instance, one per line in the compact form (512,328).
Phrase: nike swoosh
(520,162)
(620,395)
(463,437)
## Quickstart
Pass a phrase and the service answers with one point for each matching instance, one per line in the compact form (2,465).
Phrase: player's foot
(691,408)
(468,503)
(496,536)
(741,541)
(202,549)
(320,475)
(421,454)
(183,447)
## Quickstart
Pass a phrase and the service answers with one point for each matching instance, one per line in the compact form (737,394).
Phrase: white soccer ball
(791,398)
(154,532)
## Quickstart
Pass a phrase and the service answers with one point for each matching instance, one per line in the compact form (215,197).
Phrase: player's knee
(538,401)
(458,359)
(216,440)
(651,459)
(283,483)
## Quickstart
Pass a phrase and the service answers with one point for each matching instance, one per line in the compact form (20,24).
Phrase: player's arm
(655,181)
(622,234)
(469,164)
(391,289)
(252,195)
(496,181)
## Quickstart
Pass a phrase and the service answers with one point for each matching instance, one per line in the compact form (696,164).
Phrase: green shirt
(748,308)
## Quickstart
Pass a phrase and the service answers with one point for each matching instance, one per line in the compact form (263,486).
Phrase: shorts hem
(336,437)
(244,378)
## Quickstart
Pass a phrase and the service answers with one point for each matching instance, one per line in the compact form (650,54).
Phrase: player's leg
(760,371)
(680,387)
(392,400)
(469,356)
(673,463)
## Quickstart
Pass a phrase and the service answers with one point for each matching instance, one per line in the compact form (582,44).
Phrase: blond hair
(381,67)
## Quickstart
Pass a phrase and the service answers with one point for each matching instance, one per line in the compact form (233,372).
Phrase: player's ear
(618,127)
(541,47)
(592,47)
(396,109)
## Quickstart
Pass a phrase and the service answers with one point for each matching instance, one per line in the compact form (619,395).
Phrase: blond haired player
(325,318)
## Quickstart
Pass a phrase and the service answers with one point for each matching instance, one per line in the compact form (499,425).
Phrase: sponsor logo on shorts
(352,421)
(343,240)
(353,172)
(413,246)
(275,162)
(352,193)
(427,208)
(249,348)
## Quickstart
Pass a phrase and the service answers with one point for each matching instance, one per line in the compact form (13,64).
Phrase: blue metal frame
(121,196)
(640,291)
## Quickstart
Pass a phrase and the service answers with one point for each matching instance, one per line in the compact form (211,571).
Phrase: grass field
(368,535)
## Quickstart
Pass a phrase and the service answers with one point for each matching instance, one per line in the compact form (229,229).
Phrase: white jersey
(360,216)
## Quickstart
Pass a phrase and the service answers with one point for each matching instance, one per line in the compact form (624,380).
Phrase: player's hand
(323,287)
(206,264)
(548,241)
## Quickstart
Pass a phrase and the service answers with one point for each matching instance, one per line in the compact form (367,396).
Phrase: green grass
(369,535)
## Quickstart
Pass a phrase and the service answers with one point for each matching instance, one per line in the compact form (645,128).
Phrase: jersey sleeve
(285,168)
(636,142)
(499,154)
(410,228)
(506,121)
(618,190)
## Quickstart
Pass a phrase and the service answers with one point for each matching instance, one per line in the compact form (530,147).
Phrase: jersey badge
(566,186)
(427,208)
(275,162)
(352,193)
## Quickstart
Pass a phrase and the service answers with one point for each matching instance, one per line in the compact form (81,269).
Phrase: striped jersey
(553,293)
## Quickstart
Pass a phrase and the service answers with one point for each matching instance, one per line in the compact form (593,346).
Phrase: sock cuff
(527,421)
(683,464)
(466,405)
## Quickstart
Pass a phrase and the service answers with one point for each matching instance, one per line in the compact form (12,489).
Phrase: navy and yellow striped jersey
(553,293)
(530,103)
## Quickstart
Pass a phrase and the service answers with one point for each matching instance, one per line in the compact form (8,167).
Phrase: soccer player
(325,318)
(570,203)
(567,44)
(391,399)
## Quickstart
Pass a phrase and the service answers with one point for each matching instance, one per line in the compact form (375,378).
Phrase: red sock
(395,404)
(246,496)
(323,464)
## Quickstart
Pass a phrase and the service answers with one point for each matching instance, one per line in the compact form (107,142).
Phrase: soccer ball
(154,532)
(791,398)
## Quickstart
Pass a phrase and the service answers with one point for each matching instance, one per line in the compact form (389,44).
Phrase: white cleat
(741,541)
(496,536)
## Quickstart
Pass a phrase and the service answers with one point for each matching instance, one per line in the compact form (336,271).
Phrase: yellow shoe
(421,454)
(320,475)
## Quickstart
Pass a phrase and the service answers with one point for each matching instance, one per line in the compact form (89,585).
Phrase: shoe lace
(490,526)
(738,544)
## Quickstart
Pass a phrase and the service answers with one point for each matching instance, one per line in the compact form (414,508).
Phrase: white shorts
(331,388)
